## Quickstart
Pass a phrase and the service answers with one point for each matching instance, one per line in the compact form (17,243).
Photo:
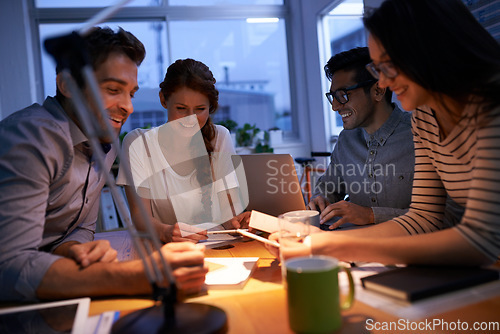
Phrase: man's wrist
(63,249)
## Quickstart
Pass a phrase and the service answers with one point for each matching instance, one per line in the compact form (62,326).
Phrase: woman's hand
(240,221)
(289,249)
(185,232)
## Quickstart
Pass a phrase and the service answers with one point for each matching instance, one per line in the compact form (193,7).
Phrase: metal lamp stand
(169,315)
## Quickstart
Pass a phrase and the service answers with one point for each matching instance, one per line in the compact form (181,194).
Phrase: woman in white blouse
(182,170)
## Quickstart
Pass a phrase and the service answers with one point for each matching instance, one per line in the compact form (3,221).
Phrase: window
(343,30)
(249,62)
(247,55)
(345,25)
(139,3)
(89,3)
(223,2)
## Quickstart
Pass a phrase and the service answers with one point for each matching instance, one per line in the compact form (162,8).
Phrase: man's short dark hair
(353,60)
(101,42)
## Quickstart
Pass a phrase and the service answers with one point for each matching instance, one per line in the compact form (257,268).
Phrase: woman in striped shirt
(442,64)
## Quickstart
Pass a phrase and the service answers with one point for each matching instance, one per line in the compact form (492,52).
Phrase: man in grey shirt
(373,160)
(50,186)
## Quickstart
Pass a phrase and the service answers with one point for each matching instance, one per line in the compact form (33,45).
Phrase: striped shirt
(457,179)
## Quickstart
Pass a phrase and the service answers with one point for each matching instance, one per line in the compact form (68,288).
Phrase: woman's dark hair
(440,46)
(197,76)
(353,60)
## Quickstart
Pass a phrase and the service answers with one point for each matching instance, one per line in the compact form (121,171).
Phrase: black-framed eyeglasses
(386,67)
(341,94)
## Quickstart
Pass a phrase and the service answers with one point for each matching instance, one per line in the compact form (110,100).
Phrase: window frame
(167,14)
(333,128)
(310,130)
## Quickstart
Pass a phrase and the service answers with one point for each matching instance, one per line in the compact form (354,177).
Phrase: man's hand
(318,203)
(87,253)
(185,232)
(350,213)
(187,262)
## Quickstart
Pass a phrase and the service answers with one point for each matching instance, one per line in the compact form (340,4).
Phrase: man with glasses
(373,161)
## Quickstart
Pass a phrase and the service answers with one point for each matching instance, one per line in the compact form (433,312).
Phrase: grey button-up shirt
(374,170)
(49,193)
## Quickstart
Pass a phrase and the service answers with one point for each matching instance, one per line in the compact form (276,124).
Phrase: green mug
(313,294)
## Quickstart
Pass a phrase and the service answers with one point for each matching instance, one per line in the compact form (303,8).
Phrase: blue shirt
(374,170)
(49,193)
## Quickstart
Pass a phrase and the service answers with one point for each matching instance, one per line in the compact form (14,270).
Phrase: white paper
(234,273)
(263,222)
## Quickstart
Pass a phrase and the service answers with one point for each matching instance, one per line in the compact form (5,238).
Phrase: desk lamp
(169,315)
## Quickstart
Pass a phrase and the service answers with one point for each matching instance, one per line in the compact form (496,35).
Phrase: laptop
(272,183)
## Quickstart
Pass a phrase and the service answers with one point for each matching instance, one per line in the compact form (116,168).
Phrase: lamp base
(190,318)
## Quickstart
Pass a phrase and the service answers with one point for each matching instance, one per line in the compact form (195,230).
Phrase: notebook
(269,183)
(417,282)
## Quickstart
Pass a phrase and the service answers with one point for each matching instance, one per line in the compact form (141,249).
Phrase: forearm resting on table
(446,247)
(66,279)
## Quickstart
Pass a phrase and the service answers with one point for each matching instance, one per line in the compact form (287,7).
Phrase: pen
(256,237)
(225,231)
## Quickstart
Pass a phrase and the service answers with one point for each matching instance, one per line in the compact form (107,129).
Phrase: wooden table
(260,307)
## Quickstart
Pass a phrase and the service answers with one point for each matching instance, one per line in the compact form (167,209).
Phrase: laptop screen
(269,183)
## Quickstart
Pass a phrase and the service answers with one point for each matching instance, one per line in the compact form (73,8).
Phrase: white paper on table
(229,272)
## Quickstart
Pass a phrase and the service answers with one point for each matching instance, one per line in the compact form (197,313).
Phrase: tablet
(66,316)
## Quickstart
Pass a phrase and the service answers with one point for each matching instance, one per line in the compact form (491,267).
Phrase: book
(229,272)
(413,283)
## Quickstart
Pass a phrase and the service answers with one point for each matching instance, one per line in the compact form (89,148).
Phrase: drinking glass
(293,230)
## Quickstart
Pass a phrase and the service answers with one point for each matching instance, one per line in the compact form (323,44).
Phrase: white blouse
(154,172)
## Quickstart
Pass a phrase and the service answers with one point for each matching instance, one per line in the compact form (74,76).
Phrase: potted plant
(232,126)
(245,135)
(229,124)
(263,145)
(245,138)
(275,136)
